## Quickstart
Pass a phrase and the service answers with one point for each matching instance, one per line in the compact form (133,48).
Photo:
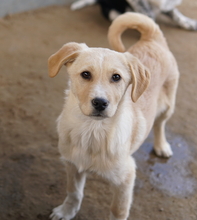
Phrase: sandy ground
(32,179)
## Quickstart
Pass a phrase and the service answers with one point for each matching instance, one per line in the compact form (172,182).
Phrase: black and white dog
(112,8)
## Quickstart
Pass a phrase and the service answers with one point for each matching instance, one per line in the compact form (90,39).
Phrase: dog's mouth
(98,116)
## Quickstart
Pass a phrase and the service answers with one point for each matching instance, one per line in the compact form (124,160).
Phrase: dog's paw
(81,4)
(63,212)
(75,6)
(58,214)
(163,150)
(68,209)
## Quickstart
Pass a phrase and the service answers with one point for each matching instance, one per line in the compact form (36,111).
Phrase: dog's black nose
(100,104)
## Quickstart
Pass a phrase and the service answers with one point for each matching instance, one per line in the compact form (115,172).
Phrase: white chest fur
(91,144)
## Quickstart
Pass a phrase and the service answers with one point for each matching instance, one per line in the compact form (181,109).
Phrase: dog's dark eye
(116,77)
(86,75)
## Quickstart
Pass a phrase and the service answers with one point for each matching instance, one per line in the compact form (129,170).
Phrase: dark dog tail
(146,26)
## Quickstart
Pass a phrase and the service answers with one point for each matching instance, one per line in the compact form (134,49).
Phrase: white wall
(14,6)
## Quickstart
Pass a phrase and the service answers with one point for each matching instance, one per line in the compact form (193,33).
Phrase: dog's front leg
(123,194)
(72,203)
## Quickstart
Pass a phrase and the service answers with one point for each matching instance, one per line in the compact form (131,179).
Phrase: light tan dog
(113,101)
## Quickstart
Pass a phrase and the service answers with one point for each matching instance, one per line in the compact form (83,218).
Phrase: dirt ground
(32,178)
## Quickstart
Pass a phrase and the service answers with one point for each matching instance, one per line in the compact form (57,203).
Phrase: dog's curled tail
(130,20)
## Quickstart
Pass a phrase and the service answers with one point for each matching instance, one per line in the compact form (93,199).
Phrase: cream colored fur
(144,97)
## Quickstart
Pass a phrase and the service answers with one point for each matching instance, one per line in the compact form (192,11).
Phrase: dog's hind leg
(72,203)
(181,20)
(166,105)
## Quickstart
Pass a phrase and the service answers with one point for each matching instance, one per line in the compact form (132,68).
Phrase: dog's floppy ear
(140,76)
(67,54)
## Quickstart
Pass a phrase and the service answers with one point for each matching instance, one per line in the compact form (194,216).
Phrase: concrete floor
(32,179)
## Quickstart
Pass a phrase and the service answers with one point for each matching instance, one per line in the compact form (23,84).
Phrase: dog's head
(100,77)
